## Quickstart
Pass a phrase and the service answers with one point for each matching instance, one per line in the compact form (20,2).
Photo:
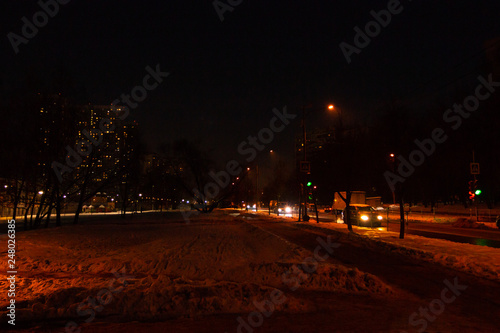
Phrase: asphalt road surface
(482,237)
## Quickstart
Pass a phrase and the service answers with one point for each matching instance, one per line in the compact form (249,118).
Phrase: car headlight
(379,217)
(288,209)
(364,217)
(279,210)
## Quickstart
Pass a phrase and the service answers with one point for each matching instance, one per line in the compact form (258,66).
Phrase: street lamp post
(392,159)
(305,217)
(140,202)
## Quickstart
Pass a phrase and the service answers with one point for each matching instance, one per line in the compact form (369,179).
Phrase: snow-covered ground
(481,261)
(152,268)
(213,265)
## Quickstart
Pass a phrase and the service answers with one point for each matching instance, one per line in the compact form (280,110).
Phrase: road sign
(474,168)
(305,166)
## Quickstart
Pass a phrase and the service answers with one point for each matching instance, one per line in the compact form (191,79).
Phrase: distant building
(149,162)
(317,140)
(115,141)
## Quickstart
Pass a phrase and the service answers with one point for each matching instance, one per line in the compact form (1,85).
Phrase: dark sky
(226,77)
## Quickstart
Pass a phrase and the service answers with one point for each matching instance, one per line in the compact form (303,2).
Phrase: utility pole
(304,142)
(401,213)
(257,203)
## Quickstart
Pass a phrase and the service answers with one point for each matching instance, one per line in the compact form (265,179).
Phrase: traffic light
(477,191)
(473,189)
(309,184)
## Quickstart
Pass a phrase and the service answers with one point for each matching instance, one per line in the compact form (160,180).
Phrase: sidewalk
(21,217)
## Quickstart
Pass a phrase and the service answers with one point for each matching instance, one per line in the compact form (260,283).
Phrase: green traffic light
(478,192)
(309,183)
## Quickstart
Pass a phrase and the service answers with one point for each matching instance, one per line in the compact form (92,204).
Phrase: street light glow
(331,107)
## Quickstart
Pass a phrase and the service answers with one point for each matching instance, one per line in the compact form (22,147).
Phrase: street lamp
(140,202)
(334,108)
(392,161)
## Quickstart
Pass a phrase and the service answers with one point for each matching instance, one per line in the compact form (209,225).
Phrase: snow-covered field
(153,268)
(211,266)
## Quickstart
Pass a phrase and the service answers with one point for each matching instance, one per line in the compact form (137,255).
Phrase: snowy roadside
(481,261)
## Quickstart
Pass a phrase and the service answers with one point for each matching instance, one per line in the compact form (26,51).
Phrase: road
(66,219)
(445,231)
(489,238)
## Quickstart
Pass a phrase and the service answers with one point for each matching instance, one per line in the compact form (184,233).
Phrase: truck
(357,198)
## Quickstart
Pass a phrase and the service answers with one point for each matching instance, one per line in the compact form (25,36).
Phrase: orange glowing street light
(332,107)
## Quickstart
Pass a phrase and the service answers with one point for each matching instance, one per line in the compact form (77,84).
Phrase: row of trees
(40,129)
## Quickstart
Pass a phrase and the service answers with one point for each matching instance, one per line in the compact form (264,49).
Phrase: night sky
(226,77)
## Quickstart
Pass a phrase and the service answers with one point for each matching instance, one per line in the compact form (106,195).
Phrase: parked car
(364,216)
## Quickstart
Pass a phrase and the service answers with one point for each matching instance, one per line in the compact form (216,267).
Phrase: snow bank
(468,223)
(481,261)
